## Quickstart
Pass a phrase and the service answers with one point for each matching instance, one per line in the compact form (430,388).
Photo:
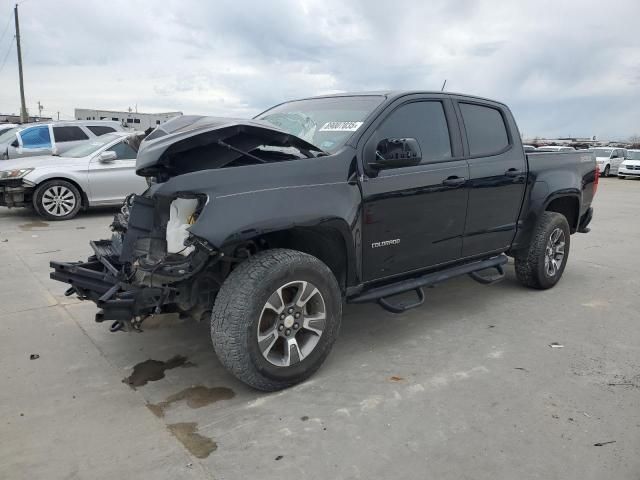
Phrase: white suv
(33,139)
(609,159)
(631,166)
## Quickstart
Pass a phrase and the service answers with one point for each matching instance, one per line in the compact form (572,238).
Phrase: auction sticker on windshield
(340,126)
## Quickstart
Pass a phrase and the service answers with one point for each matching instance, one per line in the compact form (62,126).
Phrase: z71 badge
(385,243)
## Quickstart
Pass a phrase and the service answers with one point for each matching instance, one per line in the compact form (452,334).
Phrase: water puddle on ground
(199,445)
(152,370)
(195,397)
(31,225)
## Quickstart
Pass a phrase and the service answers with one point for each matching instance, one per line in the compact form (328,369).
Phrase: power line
(7,55)
(6,27)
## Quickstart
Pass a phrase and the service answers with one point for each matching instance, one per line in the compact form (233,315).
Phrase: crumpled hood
(189,132)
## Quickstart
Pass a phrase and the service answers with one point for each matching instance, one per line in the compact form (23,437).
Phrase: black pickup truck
(267,226)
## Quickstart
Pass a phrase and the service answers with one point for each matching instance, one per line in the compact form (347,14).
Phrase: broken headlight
(183,212)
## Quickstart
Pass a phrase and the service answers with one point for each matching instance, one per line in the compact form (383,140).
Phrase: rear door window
(98,130)
(486,131)
(36,137)
(426,122)
(69,134)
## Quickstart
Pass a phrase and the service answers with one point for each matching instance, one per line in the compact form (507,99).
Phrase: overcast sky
(564,67)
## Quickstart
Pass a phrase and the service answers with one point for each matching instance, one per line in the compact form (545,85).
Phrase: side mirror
(108,156)
(15,143)
(397,152)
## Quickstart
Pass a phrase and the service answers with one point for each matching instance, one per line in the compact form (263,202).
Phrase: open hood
(190,143)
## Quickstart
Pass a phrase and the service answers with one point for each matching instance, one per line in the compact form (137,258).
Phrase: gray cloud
(560,65)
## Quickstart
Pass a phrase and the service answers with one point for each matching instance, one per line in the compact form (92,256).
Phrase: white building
(132,120)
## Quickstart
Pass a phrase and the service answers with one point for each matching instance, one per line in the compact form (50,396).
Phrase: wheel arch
(327,242)
(567,205)
(83,195)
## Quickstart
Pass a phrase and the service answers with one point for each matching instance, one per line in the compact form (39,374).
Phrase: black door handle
(454,181)
(514,172)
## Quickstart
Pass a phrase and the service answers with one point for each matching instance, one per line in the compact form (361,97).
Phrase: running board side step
(381,294)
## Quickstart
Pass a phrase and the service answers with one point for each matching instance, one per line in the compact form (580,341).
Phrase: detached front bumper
(15,193)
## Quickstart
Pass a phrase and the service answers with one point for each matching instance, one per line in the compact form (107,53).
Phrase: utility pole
(58,116)
(40,108)
(23,108)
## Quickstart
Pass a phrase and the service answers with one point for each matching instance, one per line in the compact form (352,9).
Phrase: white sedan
(98,172)
(631,166)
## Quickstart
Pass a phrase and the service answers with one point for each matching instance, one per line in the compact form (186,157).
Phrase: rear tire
(57,200)
(276,318)
(541,265)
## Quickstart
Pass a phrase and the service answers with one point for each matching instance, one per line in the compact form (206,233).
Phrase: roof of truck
(392,94)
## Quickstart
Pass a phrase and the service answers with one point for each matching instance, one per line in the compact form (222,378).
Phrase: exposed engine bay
(150,265)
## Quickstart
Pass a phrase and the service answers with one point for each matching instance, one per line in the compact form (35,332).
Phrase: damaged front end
(150,265)
(160,258)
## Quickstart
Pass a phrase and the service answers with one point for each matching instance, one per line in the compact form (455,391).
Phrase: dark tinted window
(115,119)
(136,120)
(129,120)
(101,130)
(424,121)
(124,151)
(485,127)
(69,134)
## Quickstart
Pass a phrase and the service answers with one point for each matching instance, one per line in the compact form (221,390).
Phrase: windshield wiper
(238,150)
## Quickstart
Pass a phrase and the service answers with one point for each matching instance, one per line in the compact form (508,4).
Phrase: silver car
(98,172)
(52,138)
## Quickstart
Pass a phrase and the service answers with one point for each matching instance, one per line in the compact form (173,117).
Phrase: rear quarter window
(486,131)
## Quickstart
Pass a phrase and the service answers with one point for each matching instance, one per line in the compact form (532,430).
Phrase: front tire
(607,170)
(541,265)
(276,318)
(57,200)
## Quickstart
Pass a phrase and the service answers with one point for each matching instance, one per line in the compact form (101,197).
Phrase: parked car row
(610,160)
(51,138)
(547,148)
